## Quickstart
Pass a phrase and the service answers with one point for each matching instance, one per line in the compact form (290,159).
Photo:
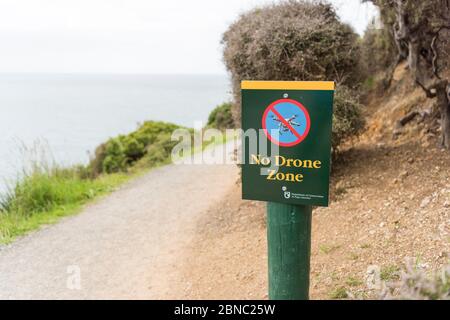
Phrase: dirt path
(125,246)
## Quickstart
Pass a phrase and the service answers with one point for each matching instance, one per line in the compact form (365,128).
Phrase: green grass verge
(43,198)
(45,195)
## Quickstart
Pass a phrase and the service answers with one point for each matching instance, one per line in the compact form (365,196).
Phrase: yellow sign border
(287,85)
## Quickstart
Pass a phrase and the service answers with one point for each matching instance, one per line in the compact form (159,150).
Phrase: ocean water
(67,116)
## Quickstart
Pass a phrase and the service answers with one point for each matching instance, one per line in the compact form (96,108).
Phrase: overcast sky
(127,36)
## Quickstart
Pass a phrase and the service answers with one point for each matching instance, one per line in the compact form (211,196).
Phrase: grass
(390,273)
(353,282)
(339,293)
(326,249)
(44,196)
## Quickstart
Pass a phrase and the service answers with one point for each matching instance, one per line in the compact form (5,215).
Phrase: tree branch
(433,49)
(428,91)
(431,89)
(435,56)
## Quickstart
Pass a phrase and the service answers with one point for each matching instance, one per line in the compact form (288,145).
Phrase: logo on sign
(287,194)
(286,122)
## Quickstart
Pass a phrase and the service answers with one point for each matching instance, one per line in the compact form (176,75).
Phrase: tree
(421,30)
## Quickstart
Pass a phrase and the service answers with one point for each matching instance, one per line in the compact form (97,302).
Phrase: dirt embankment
(390,201)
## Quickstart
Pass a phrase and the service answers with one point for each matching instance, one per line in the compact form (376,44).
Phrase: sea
(62,118)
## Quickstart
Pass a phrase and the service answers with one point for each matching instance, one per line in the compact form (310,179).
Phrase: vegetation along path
(124,246)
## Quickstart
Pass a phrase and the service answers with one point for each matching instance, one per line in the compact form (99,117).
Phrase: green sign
(286,145)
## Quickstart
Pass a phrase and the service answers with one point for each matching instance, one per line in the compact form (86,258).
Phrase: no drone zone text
(290,162)
(280,161)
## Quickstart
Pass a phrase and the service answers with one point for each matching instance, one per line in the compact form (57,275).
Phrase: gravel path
(125,246)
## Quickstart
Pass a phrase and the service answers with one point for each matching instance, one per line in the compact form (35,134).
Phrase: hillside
(390,201)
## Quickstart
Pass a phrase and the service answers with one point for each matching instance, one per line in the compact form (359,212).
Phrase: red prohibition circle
(300,137)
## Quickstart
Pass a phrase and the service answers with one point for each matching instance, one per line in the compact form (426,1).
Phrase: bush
(160,151)
(294,40)
(150,130)
(120,153)
(221,117)
(347,116)
(115,157)
(133,149)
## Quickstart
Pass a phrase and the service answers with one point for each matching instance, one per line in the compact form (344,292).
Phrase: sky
(128,36)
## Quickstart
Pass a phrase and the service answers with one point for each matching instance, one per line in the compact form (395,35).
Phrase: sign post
(286,151)
(289,244)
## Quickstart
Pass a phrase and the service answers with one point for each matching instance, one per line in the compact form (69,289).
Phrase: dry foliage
(415,284)
(292,40)
(347,116)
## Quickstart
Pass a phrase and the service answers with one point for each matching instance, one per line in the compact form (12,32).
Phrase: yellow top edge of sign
(287,85)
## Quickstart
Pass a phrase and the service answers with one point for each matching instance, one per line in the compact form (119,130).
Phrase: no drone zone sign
(290,160)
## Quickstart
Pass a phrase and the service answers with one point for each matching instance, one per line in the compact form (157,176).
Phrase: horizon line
(110,73)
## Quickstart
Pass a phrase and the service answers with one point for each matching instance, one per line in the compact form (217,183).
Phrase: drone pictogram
(286,122)
(282,127)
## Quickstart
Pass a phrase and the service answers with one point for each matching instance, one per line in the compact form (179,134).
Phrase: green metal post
(289,245)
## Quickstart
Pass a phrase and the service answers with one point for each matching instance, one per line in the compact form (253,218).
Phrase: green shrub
(132,148)
(148,132)
(160,151)
(292,40)
(347,116)
(221,117)
(115,158)
(120,153)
